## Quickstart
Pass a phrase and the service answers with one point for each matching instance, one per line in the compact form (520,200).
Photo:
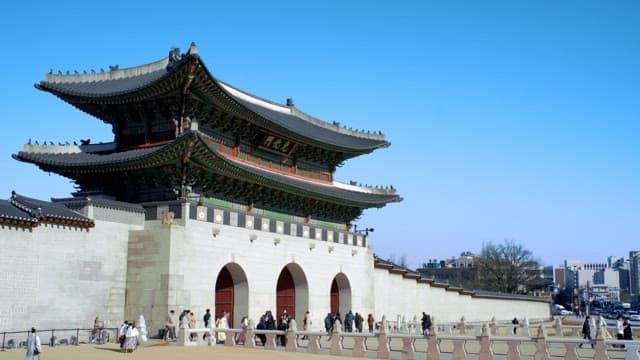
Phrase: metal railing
(62,336)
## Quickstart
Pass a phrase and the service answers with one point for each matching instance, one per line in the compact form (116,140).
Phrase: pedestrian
(371,322)
(306,323)
(192,325)
(620,327)
(131,341)
(327,322)
(262,325)
(123,333)
(515,323)
(586,330)
(207,321)
(221,324)
(283,326)
(359,320)
(348,321)
(525,326)
(34,347)
(626,329)
(170,326)
(242,335)
(426,323)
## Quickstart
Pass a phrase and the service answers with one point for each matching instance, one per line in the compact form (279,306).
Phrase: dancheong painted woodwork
(179,132)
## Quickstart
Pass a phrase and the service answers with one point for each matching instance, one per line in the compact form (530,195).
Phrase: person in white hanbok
(131,341)
(34,347)
(222,323)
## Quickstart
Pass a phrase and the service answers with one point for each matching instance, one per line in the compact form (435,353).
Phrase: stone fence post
(433,348)
(558,327)
(314,344)
(383,340)
(336,339)
(542,349)
(486,352)
(250,338)
(271,341)
(462,326)
(230,339)
(493,326)
(600,347)
(359,350)
(292,340)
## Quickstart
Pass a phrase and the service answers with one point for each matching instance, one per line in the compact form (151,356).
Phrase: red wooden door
(335,297)
(224,295)
(285,295)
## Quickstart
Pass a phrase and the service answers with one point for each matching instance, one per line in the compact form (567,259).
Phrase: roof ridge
(293,110)
(114,73)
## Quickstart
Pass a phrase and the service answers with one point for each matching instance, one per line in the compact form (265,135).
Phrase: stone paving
(162,351)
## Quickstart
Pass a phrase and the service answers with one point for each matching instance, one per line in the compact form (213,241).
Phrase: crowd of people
(352,322)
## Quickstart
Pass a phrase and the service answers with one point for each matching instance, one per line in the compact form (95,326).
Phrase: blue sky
(508,119)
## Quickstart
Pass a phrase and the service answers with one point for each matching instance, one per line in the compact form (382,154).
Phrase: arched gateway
(292,292)
(232,293)
(340,294)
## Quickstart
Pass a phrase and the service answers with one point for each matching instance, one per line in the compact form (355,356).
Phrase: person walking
(170,326)
(586,330)
(515,323)
(370,321)
(348,321)
(122,332)
(306,323)
(327,323)
(34,346)
(131,341)
(207,321)
(626,329)
(358,321)
(242,335)
(193,323)
(426,323)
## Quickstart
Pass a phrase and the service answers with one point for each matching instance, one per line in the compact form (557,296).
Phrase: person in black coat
(586,330)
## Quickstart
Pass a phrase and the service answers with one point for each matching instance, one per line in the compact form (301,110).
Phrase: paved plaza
(162,351)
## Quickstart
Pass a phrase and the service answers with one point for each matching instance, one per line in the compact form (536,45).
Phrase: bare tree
(507,267)
(402,260)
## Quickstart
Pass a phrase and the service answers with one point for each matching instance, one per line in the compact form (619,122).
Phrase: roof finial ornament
(290,102)
(193,49)
(174,54)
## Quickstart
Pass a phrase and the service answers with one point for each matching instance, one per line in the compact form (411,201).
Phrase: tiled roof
(83,158)
(96,163)
(75,88)
(320,133)
(97,201)
(102,88)
(27,212)
(11,215)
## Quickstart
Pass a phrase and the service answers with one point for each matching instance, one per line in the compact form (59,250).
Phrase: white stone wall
(55,276)
(197,257)
(59,276)
(396,296)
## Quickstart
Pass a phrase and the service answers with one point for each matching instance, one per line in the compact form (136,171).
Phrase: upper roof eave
(73,88)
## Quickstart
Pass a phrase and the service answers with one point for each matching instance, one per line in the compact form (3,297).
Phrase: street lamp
(366,230)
